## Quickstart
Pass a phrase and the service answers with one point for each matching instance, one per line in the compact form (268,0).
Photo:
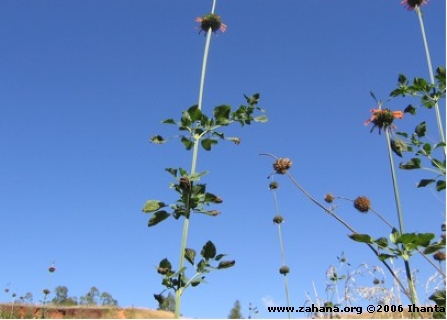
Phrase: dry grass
(27,311)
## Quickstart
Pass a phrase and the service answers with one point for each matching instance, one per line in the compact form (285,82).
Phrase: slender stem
(430,71)
(283,258)
(193,170)
(411,287)
(330,212)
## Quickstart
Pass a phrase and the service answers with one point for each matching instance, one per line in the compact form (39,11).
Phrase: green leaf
(381,242)
(165,264)
(261,119)
(207,143)
(398,146)
(158,217)
(438,165)
(425,182)
(414,163)
(190,255)
(169,121)
(226,264)
(440,185)
(440,144)
(402,79)
(222,114)
(209,197)
(253,99)
(196,282)
(402,134)
(427,148)
(201,266)
(194,113)
(208,251)
(153,205)
(365,238)
(172,171)
(434,247)
(373,96)
(157,139)
(410,109)
(394,236)
(384,256)
(413,240)
(438,297)
(219,256)
(421,129)
(188,143)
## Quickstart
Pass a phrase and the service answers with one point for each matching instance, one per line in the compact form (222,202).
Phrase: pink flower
(411,4)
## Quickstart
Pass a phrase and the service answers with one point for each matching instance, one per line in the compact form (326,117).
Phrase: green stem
(411,287)
(430,71)
(193,170)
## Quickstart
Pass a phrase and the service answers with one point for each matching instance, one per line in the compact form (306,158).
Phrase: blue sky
(84,84)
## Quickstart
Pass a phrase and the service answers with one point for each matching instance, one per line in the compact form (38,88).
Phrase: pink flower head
(212,21)
(411,4)
(383,118)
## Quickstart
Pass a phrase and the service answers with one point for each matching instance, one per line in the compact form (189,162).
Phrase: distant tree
(166,303)
(61,297)
(107,300)
(91,298)
(235,312)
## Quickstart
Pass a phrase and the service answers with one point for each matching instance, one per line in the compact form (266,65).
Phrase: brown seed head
(46,291)
(328,198)
(185,183)
(278,219)
(439,256)
(273,185)
(362,204)
(284,270)
(282,165)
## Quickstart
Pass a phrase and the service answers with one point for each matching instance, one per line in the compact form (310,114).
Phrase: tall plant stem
(430,71)
(283,255)
(410,280)
(195,153)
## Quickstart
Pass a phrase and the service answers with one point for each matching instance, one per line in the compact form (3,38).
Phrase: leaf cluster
(402,245)
(210,260)
(200,127)
(193,197)
(416,142)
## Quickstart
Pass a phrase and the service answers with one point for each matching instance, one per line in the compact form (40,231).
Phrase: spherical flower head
(376,281)
(411,4)
(439,256)
(273,185)
(278,219)
(46,291)
(51,269)
(284,270)
(383,119)
(362,204)
(328,198)
(212,21)
(282,165)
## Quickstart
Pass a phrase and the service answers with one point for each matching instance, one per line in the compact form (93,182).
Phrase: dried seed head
(443,227)
(46,291)
(284,270)
(282,165)
(185,183)
(362,204)
(376,281)
(328,198)
(273,185)
(6,290)
(439,256)
(278,219)
(51,269)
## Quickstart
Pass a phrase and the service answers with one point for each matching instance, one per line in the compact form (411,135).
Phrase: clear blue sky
(84,84)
